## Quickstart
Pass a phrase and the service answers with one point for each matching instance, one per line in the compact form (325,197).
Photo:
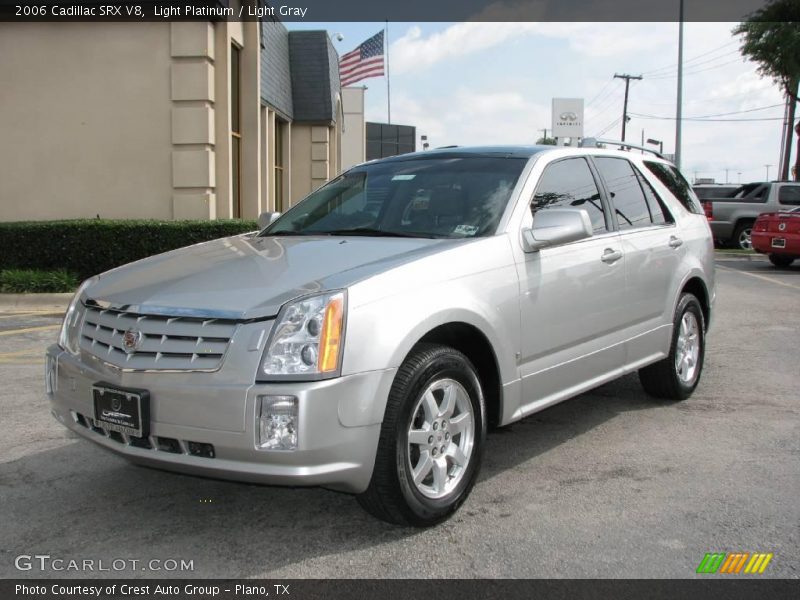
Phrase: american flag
(363,62)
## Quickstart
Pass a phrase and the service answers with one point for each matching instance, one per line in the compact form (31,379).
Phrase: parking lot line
(757,276)
(28,329)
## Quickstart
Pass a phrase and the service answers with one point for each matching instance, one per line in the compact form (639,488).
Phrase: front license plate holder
(778,242)
(123,410)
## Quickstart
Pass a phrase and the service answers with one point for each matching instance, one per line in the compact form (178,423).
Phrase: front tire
(781,261)
(677,376)
(431,441)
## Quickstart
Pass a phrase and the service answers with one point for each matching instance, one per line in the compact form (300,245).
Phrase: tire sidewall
(446,365)
(688,303)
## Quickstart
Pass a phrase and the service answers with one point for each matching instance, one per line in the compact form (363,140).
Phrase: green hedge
(25,281)
(91,246)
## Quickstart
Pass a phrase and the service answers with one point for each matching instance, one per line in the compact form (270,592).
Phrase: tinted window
(658,212)
(626,194)
(676,184)
(789,194)
(569,184)
(442,196)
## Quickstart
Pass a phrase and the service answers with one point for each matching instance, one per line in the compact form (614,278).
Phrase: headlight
(69,338)
(307,340)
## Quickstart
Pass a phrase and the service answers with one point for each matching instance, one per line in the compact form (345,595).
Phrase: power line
(730,62)
(639,116)
(736,112)
(674,66)
(674,69)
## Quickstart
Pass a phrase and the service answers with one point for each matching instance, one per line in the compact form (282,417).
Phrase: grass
(23,281)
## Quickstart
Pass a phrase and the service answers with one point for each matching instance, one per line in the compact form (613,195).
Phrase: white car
(366,339)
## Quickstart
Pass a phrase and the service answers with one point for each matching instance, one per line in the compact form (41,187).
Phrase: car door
(653,250)
(572,296)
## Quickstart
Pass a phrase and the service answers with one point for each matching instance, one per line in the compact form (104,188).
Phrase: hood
(247,277)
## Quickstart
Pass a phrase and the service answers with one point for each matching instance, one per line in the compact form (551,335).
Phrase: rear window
(676,184)
(789,194)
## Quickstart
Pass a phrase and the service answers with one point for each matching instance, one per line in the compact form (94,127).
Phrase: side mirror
(555,226)
(267,218)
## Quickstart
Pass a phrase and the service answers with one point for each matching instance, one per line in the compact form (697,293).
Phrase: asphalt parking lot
(610,484)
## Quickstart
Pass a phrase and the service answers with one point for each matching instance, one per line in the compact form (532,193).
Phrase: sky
(493,83)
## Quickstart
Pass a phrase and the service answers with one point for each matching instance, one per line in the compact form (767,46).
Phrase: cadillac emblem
(131,340)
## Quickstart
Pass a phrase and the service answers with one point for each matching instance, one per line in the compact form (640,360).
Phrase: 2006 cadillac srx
(364,340)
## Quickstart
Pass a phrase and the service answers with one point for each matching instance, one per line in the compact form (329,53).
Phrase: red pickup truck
(777,234)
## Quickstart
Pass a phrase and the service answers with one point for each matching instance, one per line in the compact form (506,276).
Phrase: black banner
(731,588)
(380,10)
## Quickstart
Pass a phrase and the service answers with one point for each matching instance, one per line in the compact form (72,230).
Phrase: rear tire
(431,441)
(677,376)
(741,237)
(780,261)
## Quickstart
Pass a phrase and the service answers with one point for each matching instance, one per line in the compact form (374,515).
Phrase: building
(166,120)
(384,139)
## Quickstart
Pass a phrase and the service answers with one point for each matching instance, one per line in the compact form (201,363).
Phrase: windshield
(442,197)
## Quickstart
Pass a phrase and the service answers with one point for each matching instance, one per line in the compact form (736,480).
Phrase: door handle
(675,242)
(611,256)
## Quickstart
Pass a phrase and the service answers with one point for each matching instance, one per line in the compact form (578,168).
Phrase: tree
(546,141)
(771,37)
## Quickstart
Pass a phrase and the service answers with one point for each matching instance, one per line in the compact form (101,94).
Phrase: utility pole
(545,133)
(726,175)
(679,102)
(767,166)
(627,79)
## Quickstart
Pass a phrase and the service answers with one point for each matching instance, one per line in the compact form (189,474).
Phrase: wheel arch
(696,286)
(473,343)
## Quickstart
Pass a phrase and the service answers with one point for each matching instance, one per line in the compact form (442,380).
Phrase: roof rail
(593,142)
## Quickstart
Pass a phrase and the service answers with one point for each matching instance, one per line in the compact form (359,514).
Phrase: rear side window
(789,194)
(658,212)
(569,183)
(627,197)
(676,184)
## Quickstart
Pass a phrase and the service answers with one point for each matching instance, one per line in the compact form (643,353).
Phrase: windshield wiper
(369,231)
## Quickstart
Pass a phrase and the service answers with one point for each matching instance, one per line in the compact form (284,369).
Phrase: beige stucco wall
(354,134)
(85,120)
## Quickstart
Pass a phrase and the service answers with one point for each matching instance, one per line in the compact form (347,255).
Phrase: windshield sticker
(403,177)
(465,229)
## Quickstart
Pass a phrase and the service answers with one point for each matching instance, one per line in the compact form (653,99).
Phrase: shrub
(21,281)
(91,246)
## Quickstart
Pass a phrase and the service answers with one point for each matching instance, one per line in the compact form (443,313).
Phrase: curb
(35,302)
(734,256)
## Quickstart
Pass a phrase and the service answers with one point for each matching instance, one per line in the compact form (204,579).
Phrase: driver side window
(569,183)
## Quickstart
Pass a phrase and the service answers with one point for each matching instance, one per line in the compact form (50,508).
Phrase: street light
(658,143)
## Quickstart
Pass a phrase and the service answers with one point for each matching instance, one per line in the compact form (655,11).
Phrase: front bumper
(191,407)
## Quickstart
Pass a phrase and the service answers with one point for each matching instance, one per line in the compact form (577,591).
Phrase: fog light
(277,423)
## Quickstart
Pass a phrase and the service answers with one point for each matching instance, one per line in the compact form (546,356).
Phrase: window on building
(236,133)
(280,135)
(570,184)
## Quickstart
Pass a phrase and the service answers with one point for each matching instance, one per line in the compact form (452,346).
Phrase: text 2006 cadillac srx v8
(364,340)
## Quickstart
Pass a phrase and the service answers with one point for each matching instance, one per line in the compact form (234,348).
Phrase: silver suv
(366,339)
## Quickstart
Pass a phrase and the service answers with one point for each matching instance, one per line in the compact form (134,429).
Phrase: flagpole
(388,86)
